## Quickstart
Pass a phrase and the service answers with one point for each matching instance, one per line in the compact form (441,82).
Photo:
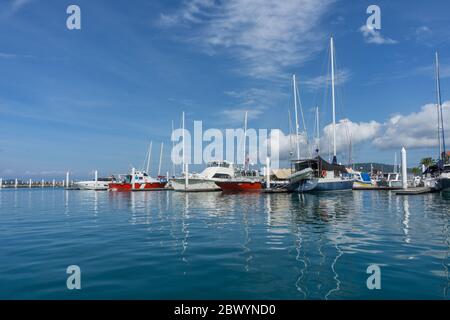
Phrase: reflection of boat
(205,181)
(137,181)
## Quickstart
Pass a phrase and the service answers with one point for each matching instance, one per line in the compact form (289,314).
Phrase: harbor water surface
(170,245)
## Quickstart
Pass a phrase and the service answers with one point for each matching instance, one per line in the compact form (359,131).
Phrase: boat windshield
(218,164)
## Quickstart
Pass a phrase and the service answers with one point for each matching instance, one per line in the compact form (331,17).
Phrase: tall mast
(184,143)
(245,139)
(333,98)
(318,130)
(149,156)
(296,116)
(441,135)
(160,158)
(173,146)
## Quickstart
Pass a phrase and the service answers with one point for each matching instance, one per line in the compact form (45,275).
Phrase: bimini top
(318,163)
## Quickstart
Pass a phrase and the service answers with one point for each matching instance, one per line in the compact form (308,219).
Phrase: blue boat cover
(365,177)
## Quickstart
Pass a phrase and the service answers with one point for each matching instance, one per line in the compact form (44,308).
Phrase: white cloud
(346,131)
(415,130)
(374,36)
(265,35)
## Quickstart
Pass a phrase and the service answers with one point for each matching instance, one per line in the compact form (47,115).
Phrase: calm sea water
(169,245)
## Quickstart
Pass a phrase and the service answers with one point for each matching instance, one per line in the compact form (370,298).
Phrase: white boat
(390,180)
(99,184)
(206,180)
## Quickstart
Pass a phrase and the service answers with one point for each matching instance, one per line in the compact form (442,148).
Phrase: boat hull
(194,185)
(137,186)
(444,184)
(90,185)
(240,185)
(321,185)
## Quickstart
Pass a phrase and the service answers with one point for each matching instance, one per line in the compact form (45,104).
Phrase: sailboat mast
(160,158)
(149,156)
(296,116)
(441,135)
(173,146)
(333,98)
(318,130)
(245,139)
(184,140)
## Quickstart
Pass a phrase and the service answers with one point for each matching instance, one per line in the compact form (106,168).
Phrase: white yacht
(99,184)
(205,181)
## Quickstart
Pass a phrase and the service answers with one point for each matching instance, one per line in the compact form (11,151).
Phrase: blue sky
(93,98)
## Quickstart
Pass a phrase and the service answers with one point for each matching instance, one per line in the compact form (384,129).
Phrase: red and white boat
(138,181)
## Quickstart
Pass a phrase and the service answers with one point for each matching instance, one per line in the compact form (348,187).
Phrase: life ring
(324,173)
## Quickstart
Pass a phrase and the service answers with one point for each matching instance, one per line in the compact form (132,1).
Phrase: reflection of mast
(406,219)
(184,227)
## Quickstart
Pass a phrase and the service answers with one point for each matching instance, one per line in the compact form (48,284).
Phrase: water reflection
(245,246)
(406,219)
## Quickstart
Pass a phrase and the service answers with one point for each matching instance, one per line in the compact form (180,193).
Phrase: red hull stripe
(137,186)
(239,186)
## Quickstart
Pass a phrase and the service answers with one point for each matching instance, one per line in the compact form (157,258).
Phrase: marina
(207,152)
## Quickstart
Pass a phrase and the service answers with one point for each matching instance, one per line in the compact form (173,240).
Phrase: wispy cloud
(10,7)
(254,100)
(342,76)
(373,36)
(266,36)
(6,55)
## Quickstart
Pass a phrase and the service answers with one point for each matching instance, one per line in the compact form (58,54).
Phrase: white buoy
(16,183)
(42,183)
(404,170)
(67,179)
(30,183)
(268,173)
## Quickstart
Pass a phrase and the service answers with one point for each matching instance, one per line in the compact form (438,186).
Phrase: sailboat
(140,180)
(443,180)
(316,174)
